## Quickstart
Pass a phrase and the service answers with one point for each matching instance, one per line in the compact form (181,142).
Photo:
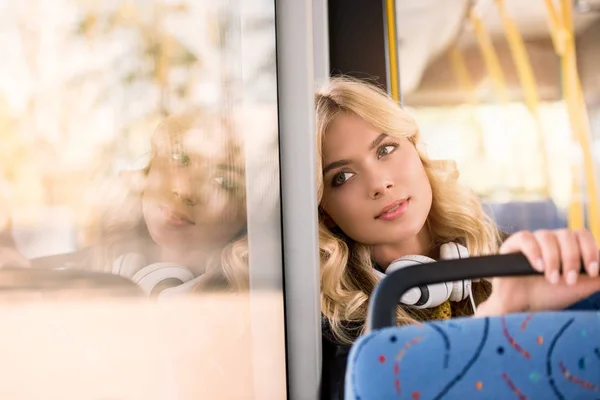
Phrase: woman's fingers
(570,255)
(526,243)
(550,254)
(557,252)
(589,252)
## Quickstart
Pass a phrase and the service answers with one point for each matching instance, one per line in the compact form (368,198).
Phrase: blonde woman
(187,209)
(381,198)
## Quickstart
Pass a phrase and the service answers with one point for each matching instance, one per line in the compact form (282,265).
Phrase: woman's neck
(421,244)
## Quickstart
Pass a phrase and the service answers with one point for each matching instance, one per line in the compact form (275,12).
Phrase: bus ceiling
(426,40)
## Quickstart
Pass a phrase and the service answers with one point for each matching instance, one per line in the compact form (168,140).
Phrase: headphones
(165,279)
(158,279)
(430,296)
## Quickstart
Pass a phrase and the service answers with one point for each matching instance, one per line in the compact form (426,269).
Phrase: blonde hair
(347,277)
(123,228)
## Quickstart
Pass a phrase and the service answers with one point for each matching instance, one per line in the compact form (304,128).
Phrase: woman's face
(375,186)
(194,196)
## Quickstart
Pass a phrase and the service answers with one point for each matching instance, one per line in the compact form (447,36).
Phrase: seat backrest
(550,355)
(527,215)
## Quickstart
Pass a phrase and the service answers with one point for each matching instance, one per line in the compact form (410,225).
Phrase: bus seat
(549,355)
(527,215)
(545,355)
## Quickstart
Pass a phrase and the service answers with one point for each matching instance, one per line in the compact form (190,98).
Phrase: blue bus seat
(527,215)
(548,355)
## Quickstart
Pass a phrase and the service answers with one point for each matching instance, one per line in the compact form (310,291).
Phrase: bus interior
(95,97)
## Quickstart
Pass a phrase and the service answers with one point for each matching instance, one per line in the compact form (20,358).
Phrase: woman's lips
(394,210)
(174,217)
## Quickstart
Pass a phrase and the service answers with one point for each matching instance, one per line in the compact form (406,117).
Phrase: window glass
(139,200)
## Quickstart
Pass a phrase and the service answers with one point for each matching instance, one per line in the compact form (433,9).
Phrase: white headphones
(158,279)
(430,296)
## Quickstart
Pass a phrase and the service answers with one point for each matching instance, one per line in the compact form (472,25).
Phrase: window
(142,136)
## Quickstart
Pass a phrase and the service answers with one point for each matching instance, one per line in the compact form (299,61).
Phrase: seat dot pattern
(550,355)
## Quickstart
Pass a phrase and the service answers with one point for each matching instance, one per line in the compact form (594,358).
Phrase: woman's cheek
(221,207)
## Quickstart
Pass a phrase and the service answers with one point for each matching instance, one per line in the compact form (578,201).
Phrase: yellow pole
(561,27)
(555,27)
(578,110)
(576,213)
(390,16)
(490,58)
(528,82)
(557,32)
(465,83)
(580,125)
(461,72)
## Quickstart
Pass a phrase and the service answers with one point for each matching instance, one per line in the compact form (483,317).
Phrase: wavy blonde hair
(347,276)
(122,229)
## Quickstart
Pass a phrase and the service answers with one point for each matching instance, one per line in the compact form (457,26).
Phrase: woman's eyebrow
(334,165)
(342,163)
(377,141)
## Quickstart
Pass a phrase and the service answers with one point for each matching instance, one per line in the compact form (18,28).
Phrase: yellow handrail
(461,72)
(555,27)
(390,17)
(465,83)
(490,57)
(528,83)
(561,27)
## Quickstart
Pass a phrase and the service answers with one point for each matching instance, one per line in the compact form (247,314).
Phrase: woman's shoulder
(352,329)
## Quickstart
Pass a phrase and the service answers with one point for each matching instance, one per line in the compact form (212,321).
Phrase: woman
(381,198)
(186,208)
(190,209)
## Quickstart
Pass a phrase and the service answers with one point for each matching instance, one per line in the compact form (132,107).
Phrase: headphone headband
(430,296)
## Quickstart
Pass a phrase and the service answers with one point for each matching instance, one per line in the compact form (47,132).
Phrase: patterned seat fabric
(550,355)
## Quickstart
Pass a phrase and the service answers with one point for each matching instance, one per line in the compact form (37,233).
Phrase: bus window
(140,156)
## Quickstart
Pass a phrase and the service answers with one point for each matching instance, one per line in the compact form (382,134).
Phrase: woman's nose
(380,191)
(379,185)
(184,190)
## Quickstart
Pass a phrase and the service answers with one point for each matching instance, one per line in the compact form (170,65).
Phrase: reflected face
(375,187)
(194,196)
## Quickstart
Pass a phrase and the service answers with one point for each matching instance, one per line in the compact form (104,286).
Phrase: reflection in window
(85,87)
(130,131)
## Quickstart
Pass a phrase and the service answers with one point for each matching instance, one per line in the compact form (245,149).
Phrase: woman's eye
(385,150)
(225,183)
(181,158)
(341,178)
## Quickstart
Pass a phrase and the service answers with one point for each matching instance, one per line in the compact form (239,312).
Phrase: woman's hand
(558,254)
(10,257)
